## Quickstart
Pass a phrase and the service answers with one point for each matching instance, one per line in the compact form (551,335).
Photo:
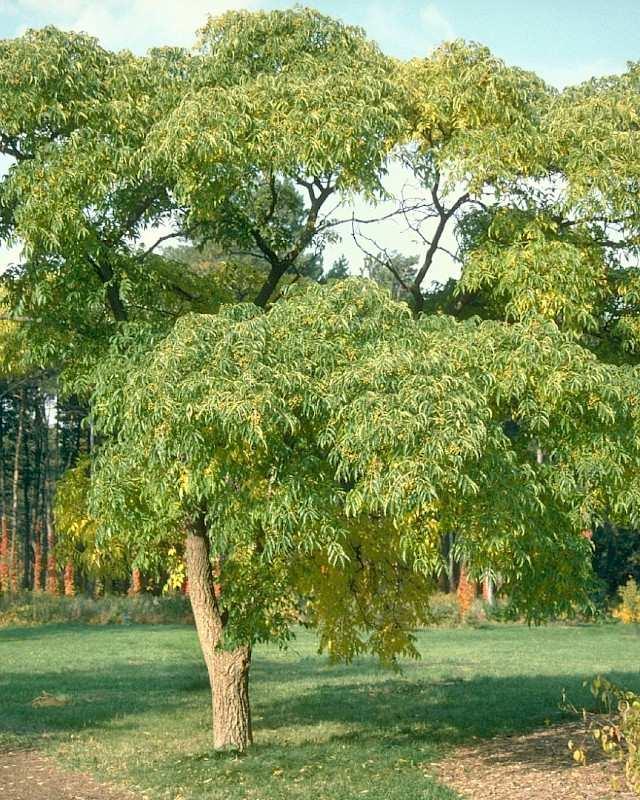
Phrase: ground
(28,775)
(129,705)
(535,766)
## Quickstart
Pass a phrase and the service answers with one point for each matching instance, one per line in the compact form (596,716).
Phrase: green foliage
(286,92)
(339,269)
(444,609)
(533,265)
(75,197)
(334,440)
(216,144)
(393,271)
(76,529)
(616,729)
(474,118)
(616,556)
(563,240)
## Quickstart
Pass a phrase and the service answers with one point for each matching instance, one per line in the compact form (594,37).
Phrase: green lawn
(139,706)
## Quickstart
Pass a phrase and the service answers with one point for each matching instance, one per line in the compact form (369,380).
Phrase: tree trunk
(136,582)
(26,504)
(230,695)
(4,556)
(228,669)
(69,580)
(52,566)
(37,559)
(487,590)
(13,556)
(452,564)
(466,591)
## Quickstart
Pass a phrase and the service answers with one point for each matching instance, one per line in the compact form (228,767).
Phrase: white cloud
(402,32)
(437,25)
(133,24)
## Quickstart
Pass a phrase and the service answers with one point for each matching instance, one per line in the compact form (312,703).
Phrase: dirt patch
(538,766)
(28,775)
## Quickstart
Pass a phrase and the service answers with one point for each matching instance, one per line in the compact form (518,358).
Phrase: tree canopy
(337,434)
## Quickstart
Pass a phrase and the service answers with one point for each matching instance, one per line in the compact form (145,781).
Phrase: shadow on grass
(451,712)
(45,631)
(392,711)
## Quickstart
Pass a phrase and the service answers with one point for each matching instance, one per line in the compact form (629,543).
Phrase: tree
(283,100)
(338,270)
(326,447)
(471,137)
(393,271)
(107,147)
(214,146)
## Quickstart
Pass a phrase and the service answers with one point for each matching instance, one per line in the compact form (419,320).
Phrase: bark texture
(466,591)
(69,580)
(4,556)
(230,694)
(487,590)
(228,669)
(37,562)
(13,555)
(52,565)
(136,582)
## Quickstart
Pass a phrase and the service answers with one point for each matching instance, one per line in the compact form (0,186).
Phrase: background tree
(393,271)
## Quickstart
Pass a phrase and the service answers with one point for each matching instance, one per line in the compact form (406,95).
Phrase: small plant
(615,726)
(629,609)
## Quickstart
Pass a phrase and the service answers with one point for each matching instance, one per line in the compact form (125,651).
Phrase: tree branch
(112,289)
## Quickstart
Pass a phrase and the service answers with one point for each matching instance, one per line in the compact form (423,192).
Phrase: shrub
(629,609)
(35,609)
(616,728)
(444,609)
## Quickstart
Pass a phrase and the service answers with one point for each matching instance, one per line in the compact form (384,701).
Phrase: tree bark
(230,696)
(52,566)
(487,590)
(136,582)
(228,669)
(4,556)
(13,556)
(466,591)
(37,559)
(69,580)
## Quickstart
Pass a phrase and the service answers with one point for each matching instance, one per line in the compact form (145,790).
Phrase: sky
(564,41)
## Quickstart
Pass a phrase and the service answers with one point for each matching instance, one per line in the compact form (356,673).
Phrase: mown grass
(137,706)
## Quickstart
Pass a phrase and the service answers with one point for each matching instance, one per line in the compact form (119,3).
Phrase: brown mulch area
(28,775)
(538,766)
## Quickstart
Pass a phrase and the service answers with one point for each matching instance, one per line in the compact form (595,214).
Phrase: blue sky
(565,41)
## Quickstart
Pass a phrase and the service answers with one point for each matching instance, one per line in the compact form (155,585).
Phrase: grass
(137,706)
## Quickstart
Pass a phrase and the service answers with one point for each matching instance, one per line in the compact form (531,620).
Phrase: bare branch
(387,262)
